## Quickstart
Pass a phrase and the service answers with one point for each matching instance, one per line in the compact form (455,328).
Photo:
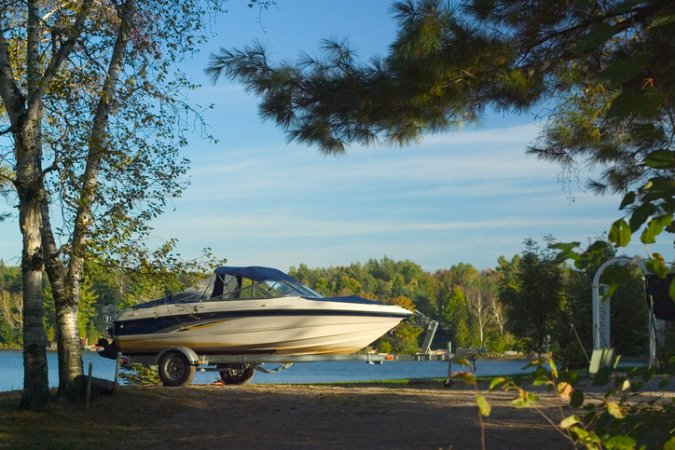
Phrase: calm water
(11,370)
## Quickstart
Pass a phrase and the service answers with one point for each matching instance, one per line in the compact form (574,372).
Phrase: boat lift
(177,365)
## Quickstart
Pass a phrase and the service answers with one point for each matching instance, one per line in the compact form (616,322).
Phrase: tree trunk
(67,281)
(28,152)
(36,383)
(67,331)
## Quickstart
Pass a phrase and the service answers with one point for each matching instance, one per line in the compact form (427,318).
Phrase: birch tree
(96,117)
(23,89)
(481,298)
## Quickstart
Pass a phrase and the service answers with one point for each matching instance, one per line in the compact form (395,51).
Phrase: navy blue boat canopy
(255,273)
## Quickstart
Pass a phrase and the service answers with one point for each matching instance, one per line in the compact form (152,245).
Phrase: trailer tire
(175,369)
(236,374)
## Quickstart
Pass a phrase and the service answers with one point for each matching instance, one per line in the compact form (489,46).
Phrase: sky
(466,196)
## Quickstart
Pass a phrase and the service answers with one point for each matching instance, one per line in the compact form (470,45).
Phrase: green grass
(105,424)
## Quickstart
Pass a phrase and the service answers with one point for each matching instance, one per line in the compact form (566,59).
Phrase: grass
(105,424)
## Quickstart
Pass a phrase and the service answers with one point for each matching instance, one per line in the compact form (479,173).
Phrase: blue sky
(469,195)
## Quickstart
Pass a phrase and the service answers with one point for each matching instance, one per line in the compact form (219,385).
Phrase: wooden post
(117,369)
(89,385)
(448,379)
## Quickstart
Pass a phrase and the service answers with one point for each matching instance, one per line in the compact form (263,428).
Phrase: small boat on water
(253,310)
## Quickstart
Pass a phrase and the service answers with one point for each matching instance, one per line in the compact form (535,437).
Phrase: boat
(252,310)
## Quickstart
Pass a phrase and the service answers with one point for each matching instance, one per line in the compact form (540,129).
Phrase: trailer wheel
(236,374)
(175,369)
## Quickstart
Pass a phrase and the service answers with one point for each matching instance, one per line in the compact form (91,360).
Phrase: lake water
(11,370)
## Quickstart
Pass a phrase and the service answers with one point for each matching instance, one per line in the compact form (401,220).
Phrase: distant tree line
(528,303)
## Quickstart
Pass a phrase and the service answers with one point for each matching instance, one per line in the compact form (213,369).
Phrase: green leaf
(628,199)
(609,291)
(640,215)
(655,227)
(657,265)
(553,367)
(614,410)
(565,246)
(620,233)
(670,444)
(620,443)
(483,405)
(662,20)
(569,421)
(661,159)
(577,398)
(624,385)
(581,434)
(498,381)
(526,399)
(541,380)
(658,188)
(566,250)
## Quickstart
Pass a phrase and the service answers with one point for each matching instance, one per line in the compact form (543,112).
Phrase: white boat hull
(284,326)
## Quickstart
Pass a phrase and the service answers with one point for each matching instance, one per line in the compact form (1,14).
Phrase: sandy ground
(425,416)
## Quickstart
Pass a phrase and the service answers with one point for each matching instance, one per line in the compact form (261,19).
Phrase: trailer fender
(187,351)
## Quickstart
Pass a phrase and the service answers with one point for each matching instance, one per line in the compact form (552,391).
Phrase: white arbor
(601,321)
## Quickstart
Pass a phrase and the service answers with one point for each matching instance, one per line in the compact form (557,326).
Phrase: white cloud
(520,134)
(251,172)
(278,226)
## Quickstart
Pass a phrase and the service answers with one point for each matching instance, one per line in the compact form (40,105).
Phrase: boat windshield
(230,287)
(290,288)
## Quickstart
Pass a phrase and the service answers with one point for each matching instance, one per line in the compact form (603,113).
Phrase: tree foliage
(536,297)
(607,63)
(95,116)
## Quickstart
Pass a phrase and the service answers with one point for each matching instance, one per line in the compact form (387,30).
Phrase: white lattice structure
(601,324)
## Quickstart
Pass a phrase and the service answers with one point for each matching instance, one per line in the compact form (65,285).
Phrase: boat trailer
(177,365)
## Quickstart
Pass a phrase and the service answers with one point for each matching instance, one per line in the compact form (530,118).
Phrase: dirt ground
(425,416)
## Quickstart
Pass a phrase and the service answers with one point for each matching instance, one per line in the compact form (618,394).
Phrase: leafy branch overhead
(606,66)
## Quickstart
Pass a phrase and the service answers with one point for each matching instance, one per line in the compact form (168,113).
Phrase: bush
(138,374)
(622,418)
